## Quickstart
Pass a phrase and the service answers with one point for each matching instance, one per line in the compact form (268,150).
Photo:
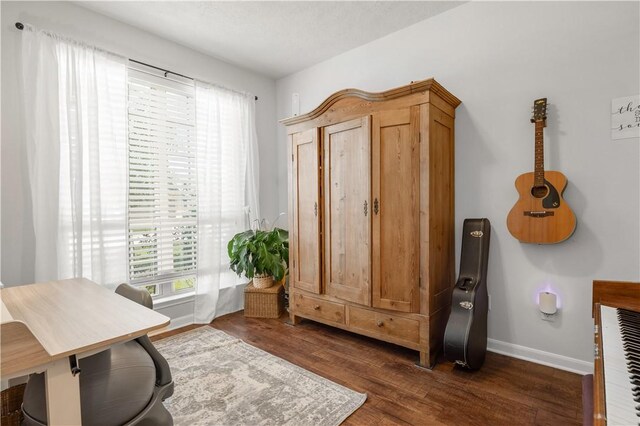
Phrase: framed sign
(625,117)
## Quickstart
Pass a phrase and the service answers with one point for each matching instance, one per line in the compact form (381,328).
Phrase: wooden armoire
(371,214)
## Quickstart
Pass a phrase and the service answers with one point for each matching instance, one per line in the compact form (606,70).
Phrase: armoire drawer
(318,308)
(394,326)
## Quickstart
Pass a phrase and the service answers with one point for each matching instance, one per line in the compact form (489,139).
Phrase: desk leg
(63,394)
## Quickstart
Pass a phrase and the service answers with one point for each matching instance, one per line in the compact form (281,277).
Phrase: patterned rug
(220,380)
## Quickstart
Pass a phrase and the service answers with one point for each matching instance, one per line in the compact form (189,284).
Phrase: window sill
(174,299)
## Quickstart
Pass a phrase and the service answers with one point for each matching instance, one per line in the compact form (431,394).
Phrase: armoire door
(347,204)
(396,209)
(306,211)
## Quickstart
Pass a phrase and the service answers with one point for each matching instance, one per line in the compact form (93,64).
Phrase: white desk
(42,325)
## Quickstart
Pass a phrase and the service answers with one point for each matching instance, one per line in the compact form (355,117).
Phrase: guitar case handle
(466,284)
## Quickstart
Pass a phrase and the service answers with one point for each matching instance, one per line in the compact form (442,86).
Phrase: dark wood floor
(506,391)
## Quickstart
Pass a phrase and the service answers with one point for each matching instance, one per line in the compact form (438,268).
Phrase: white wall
(92,28)
(497,57)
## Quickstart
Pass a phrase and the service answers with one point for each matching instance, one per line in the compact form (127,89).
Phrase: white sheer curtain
(75,118)
(227,185)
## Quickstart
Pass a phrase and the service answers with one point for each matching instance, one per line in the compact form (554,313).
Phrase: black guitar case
(465,338)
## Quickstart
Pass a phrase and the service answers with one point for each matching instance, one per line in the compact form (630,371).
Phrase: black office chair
(124,385)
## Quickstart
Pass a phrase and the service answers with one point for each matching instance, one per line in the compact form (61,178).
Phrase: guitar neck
(539,154)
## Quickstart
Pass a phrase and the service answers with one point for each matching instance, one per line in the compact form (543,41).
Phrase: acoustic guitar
(541,215)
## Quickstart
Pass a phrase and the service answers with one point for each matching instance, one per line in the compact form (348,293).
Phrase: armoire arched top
(429,89)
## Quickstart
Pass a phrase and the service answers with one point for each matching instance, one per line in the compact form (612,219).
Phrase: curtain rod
(20,26)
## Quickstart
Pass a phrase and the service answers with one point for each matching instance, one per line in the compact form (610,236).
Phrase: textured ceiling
(271,38)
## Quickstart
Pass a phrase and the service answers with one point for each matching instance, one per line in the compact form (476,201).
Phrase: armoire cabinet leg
(294,320)
(426,361)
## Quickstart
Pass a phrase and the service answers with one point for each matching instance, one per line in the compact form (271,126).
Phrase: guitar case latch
(466,305)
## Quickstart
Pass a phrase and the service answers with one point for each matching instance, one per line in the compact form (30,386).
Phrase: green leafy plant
(260,252)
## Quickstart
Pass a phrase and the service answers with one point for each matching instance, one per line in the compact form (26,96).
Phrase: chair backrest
(142,296)
(138,295)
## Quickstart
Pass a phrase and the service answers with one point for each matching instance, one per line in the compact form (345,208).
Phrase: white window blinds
(162,182)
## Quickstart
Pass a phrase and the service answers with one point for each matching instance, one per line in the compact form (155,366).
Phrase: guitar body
(541,216)
(465,337)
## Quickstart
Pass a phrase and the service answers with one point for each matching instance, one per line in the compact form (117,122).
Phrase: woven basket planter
(263,302)
(263,281)
(11,400)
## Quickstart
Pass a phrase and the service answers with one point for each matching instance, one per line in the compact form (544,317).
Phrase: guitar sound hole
(539,191)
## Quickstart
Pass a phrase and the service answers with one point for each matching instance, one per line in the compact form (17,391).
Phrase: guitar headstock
(539,110)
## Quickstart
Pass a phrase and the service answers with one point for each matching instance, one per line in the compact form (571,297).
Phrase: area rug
(221,380)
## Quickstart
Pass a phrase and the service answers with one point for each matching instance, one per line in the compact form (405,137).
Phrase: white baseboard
(540,357)
(175,323)
(180,322)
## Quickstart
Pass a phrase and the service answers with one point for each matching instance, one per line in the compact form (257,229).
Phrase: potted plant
(262,256)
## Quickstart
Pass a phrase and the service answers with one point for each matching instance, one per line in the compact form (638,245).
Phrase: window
(162,210)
